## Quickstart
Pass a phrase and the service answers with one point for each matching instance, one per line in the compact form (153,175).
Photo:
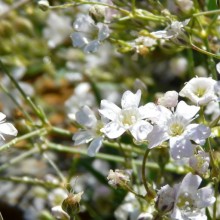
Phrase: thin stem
(204,52)
(59,173)
(133,6)
(40,131)
(27,98)
(16,103)
(18,158)
(89,3)
(207,13)
(32,181)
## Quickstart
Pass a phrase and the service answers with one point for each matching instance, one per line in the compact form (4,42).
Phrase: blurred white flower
(85,29)
(178,66)
(169,99)
(81,96)
(58,213)
(200,162)
(58,29)
(176,128)
(174,31)
(6,128)
(200,90)
(130,117)
(218,67)
(185,5)
(190,202)
(90,132)
(200,71)
(118,177)
(56,196)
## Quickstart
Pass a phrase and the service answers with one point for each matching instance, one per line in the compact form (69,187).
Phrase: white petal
(94,146)
(198,133)
(180,147)
(82,137)
(92,46)
(86,117)
(109,110)
(140,130)
(113,130)
(2,116)
(104,32)
(130,100)
(190,184)
(8,128)
(186,111)
(205,197)
(157,137)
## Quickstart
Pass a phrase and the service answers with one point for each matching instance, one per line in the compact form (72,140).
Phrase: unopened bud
(44,5)
(71,204)
(97,12)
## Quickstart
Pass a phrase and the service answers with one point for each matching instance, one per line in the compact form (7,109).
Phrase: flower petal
(78,39)
(82,137)
(180,147)
(94,146)
(8,128)
(2,116)
(86,117)
(157,136)
(92,46)
(130,100)
(190,184)
(104,32)
(205,197)
(109,110)
(140,130)
(113,130)
(198,133)
(186,111)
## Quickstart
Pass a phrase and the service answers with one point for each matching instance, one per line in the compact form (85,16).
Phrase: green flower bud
(44,5)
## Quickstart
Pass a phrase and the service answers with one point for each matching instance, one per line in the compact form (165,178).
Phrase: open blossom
(83,36)
(91,132)
(185,201)
(200,90)
(6,128)
(174,31)
(190,202)
(130,117)
(176,127)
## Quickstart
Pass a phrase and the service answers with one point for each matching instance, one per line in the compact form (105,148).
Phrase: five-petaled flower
(176,127)
(130,117)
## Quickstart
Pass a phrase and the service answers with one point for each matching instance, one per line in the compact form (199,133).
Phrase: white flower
(175,30)
(200,90)
(218,67)
(185,5)
(165,199)
(57,30)
(178,65)
(190,202)
(6,128)
(176,128)
(130,117)
(59,213)
(85,28)
(169,99)
(118,178)
(200,162)
(91,132)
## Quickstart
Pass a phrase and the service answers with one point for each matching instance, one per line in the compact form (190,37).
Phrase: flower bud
(71,204)
(97,12)
(118,178)
(165,199)
(58,213)
(44,5)
(169,99)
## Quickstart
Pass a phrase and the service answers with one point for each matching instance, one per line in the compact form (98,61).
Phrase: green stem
(16,103)
(18,158)
(133,6)
(59,173)
(207,13)
(32,181)
(27,98)
(89,3)
(40,131)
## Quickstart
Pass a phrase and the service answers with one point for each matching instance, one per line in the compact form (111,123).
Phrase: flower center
(129,117)
(176,125)
(200,92)
(185,202)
